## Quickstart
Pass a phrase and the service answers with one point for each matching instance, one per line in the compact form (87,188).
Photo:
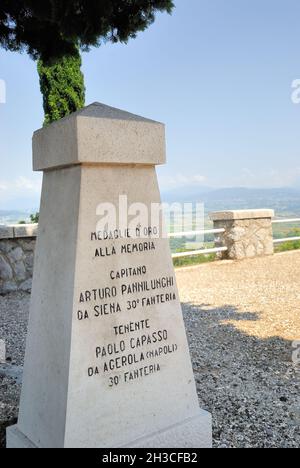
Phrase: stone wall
(248,233)
(17,245)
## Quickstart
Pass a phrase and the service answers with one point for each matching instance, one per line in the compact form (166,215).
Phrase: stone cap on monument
(99,134)
(234,215)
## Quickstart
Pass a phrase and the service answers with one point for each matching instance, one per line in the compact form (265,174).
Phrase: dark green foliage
(34,218)
(62,86)
(49,29)
(54,32)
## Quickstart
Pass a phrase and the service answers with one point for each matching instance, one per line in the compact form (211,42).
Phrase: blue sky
(217,72)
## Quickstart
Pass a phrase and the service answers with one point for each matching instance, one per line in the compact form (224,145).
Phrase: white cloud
(181,180)
(19,187)
(246,177)
(22,183)
(272,178)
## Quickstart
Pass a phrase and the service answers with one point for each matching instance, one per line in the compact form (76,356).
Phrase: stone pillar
(248,233)
(107,360)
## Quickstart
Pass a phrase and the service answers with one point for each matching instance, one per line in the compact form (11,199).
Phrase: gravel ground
(242,319)
(14,310)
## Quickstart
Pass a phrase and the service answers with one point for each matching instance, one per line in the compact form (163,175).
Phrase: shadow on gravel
(250,385)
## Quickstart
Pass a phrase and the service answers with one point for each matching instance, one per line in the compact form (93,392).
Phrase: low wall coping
(6,232)
(241,214)
(18,231)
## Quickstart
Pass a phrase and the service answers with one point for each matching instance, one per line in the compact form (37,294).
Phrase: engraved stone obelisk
(107,361)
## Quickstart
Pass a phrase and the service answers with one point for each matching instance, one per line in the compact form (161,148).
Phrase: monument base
(193,433)
(15,439)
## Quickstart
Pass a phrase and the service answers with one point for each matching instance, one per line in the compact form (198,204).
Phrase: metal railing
(286,239)
(193,253)
(207,251)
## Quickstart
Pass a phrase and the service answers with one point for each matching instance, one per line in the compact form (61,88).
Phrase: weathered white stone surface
(107,360)
(99,134)
(191,433)
(17,440)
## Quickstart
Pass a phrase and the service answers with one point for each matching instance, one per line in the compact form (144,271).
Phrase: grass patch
(287,246)
(290,245)
(195,260)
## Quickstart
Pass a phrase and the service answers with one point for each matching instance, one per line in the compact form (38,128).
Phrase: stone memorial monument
(107,361)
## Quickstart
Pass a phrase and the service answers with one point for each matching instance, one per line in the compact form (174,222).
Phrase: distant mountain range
(285,201)
(14,216)
(282,200)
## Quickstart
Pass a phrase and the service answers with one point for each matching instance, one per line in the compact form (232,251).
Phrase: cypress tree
(53,32)
(62,86)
